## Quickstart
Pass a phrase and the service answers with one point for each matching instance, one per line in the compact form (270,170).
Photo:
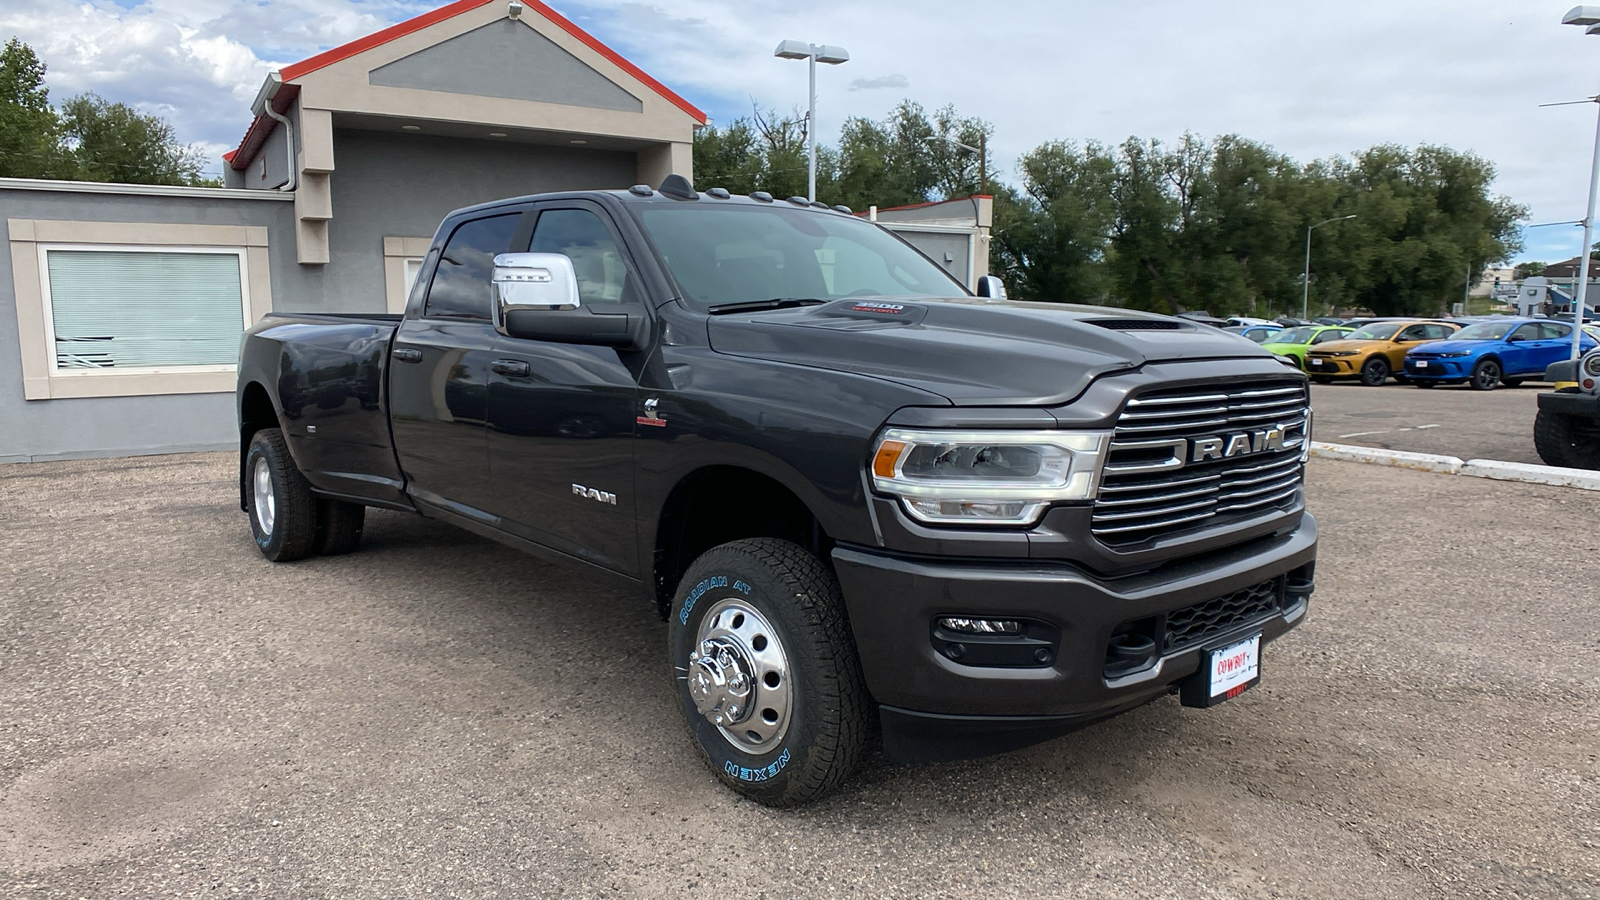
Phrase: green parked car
(1294,342)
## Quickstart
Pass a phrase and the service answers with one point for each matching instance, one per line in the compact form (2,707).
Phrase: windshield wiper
(760,305)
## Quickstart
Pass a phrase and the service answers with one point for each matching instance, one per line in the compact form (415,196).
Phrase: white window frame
(36,324)
(50,320)
(398,253)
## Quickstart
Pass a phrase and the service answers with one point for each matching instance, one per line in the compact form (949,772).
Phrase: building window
(132,309)
(403,258)
(124,309)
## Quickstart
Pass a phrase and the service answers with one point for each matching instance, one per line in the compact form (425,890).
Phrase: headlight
(1343,352)
(1456,354)
(987,477)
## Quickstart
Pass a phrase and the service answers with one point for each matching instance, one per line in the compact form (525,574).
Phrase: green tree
(1426,224)
(1050,241)
(1528,270)
(114,142)
(28,129)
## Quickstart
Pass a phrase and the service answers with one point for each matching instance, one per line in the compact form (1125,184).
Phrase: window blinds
(134,309)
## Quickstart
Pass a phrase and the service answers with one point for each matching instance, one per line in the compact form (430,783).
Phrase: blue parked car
(1257,333)
(1489,354)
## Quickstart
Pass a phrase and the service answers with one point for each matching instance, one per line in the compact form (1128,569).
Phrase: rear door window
(462,286)
(1550,331)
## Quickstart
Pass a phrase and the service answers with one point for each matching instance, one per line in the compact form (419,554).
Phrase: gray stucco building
(121,306)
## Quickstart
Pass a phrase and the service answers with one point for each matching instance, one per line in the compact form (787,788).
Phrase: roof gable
(535,7)
(476,63)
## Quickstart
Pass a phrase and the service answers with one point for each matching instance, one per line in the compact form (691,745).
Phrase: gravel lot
(440,716)
(1455,421)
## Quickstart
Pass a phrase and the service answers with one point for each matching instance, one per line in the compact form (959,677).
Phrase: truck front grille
(1153,486)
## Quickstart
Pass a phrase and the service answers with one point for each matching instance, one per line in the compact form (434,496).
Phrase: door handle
(406,354)
(512,368)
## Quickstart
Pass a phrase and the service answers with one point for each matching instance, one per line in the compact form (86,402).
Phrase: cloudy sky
(1311,79)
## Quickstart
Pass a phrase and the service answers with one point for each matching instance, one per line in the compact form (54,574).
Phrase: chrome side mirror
(991,287)
(534,281)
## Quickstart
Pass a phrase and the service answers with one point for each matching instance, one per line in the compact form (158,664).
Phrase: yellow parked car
(1374,351)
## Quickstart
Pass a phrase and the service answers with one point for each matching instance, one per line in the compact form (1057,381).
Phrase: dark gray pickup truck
(861,497)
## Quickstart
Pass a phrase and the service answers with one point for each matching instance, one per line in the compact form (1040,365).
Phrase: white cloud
(896,82)
(1312,80)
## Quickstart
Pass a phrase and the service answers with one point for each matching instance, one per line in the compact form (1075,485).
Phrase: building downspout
(264,107)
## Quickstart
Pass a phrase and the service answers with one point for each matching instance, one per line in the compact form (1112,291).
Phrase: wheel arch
(691,520)
(256,412)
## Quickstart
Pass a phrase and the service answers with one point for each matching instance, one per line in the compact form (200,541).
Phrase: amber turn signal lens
(888,455)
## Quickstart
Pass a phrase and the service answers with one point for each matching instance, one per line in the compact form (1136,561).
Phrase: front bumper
(1332,366)
(1438,368)
(936,708)
(1570,403)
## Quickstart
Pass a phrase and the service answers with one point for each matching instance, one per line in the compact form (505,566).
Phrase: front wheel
(1375,371)
(767,672)
(1567,441)
(1485,375)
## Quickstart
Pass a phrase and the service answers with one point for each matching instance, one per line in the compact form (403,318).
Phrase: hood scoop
(1139,324)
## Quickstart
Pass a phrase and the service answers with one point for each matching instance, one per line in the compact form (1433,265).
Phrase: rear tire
(1567,441)
(1485,375)
(767,671)
(339,526)
(283,514)
(1375,371)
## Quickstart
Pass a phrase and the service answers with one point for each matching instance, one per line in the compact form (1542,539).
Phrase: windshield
(1377,331)
(1485,331)
(1262,335)
(1294,336)
(741,254)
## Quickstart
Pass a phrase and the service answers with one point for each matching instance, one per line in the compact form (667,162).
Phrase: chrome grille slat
(1114,489)
(1178,496)
(1144,502)
(1159,511)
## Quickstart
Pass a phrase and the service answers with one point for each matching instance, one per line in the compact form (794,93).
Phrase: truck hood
(975,352)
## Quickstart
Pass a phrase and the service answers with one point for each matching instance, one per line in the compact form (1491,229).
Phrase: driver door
(1409,336)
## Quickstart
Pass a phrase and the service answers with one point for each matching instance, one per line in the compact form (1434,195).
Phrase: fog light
(981,626)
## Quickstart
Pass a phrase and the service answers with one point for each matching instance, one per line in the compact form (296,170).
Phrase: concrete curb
(1526,473)
(1506,471)
(1426,462)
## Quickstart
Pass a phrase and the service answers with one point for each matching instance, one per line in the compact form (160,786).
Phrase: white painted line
(1369,433)
(1532,474)
(1421,427)
(1426,462)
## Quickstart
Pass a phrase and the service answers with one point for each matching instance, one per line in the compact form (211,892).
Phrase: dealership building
(121,306)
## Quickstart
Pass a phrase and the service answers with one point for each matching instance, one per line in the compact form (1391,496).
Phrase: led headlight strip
(987,477)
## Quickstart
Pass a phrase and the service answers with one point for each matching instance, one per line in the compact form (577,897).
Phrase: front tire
(283,515)
(1485,375)
(1375,371)
(767,671)
(1566,441)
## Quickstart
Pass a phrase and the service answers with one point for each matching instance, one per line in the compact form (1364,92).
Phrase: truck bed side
(324,375)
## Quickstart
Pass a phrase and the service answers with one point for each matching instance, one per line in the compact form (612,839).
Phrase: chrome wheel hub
(739,677)
(265,503)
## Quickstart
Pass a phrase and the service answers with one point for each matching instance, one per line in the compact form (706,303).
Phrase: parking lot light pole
(1589,18)
(1305,279)
(813,53)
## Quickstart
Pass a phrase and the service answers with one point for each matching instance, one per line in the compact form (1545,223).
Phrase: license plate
(1422,364)
(1324,365)
(1229,671)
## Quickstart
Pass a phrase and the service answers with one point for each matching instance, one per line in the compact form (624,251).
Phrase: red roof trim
(228,157)
(241,158)
(378,38)
(394,32)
